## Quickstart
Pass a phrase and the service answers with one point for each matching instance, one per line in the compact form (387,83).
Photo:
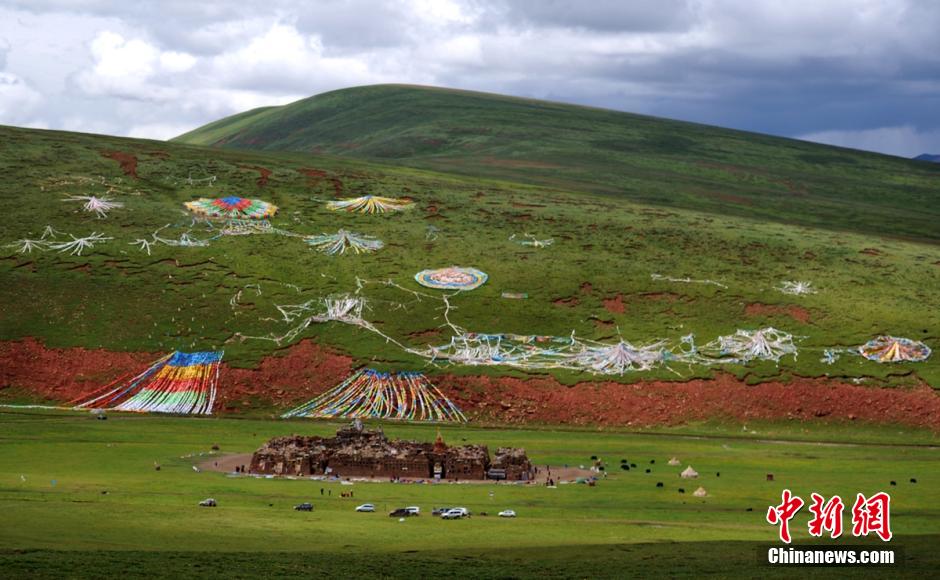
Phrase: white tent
(689,473)
(700,492)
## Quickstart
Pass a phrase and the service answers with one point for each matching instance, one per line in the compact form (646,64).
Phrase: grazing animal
(633,465)
(913,480)
(681,490)
(594,458)
(893,482)
(717,474)
(749,509)
(659,484)
(648,471)
(625,467)
(652,461)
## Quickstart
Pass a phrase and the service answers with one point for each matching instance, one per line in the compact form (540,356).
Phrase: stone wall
(358,452)
(515,462)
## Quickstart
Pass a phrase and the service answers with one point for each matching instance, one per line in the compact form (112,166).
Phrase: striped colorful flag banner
(181,382)
(371,394)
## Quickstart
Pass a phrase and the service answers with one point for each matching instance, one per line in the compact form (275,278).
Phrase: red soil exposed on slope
(63,374)
(303,370)
(315,175)
(544,400)
(306,369)
(615,305)
(797,313)
(263,173)
(128,162)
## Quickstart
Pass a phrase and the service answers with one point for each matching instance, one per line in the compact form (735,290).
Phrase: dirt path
(226,463)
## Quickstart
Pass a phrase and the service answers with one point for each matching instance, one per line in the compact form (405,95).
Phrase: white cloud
(442,12)
(904,140)
(176,62)
(121,68)
(282,59)
(18,101)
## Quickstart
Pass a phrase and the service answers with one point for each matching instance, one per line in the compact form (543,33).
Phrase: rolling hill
(631,157)
(617,269)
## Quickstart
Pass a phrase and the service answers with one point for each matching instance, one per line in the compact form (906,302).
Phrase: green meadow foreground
(82,497)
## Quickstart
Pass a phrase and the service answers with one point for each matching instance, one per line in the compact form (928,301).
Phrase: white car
(366,507)
(454,514)
(414,510)
(507,514)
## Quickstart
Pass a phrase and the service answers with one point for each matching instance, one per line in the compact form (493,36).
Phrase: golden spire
(439,445)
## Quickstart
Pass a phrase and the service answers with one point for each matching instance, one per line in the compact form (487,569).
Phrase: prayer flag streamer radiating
(371,394)
(180,382)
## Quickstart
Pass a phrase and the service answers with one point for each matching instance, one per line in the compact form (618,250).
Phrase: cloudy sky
(857,73)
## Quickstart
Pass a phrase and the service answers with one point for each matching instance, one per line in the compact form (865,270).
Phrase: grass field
(605,249)
(56,466)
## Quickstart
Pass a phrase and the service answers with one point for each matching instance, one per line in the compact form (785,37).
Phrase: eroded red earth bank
(306,369)
(300,372)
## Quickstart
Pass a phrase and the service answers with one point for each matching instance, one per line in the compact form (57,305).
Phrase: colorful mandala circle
(452,278)
(893,349)
(231,207)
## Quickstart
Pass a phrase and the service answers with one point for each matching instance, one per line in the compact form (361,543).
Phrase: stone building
(510,463)
(360,452)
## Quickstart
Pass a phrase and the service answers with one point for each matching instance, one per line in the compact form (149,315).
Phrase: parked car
(415,510)
(208,502)
(304,507)
(454,514)
(440,511)
(464,512)
(402,513)
(366,507)
(507,514)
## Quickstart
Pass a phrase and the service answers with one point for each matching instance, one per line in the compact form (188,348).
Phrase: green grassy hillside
(629,157)
(594,280)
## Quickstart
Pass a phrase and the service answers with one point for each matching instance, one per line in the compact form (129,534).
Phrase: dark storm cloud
(851,72)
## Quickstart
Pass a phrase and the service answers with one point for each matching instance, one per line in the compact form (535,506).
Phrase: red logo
(783,513)
(826,516)
(872,515)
